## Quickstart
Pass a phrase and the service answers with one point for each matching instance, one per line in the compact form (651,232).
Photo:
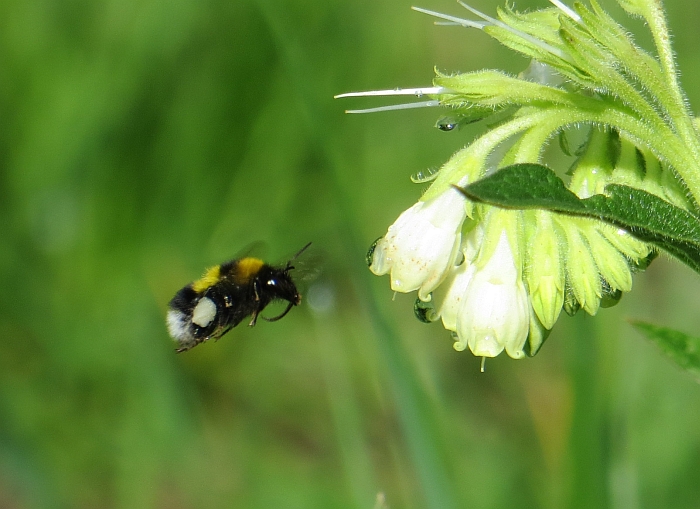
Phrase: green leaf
(646,216)
(683,349)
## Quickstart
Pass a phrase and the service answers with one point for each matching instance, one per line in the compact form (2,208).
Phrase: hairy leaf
(646,216)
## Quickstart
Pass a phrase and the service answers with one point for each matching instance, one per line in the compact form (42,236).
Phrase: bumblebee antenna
(289,266)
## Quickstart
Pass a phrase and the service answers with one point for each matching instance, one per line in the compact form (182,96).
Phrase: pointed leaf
(646,216)
(683,349)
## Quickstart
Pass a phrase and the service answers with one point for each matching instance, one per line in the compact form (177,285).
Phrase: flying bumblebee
(225,295)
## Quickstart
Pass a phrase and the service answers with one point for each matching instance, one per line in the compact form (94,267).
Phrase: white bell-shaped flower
(422,245)
(495,311)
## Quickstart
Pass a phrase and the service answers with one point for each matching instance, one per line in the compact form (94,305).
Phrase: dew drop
(447,124)
(369,257)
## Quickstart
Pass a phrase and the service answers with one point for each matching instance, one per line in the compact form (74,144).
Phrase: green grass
(143,141)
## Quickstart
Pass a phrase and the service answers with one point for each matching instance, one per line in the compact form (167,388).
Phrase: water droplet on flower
(424,311)
(447,124)
(370,252)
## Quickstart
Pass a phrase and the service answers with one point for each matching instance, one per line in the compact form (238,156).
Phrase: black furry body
(225,296)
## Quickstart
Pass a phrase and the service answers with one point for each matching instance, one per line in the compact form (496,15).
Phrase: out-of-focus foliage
(141,141)
(683,349)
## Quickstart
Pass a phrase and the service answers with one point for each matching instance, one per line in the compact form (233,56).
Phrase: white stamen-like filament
(404,106)
(483,16)
(418,92)
(452,19)
(489,21)
(566,10)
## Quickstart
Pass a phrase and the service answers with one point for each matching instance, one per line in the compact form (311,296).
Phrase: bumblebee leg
(256,290)
(274,319)
(219,336)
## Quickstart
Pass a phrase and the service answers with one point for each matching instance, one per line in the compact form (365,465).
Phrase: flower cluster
(498,278)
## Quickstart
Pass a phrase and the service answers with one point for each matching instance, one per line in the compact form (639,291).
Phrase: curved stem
(678,106)
(534,141)
(472,160)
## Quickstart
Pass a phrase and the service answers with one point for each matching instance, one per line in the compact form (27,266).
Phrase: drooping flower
(493,308)
(422,244)
(498,279)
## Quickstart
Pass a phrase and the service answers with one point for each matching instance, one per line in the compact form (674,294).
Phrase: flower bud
(592,170)
(545,274)
(581,270)
(611,264)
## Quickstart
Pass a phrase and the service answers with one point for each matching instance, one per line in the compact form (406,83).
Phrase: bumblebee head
(277,284)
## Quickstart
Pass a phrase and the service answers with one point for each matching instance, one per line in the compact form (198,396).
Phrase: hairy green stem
(678,109)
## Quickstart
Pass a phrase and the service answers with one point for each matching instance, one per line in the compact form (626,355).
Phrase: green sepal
(464,112)
(683,349)
(634,7)
(645,216)
(496,90)
(570,306)
(536,337)
(542,41)
(643,264)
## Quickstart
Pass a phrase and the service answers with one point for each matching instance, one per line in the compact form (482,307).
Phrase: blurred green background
(141,141)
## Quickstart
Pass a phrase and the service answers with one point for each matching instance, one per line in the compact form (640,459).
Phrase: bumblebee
(225,295)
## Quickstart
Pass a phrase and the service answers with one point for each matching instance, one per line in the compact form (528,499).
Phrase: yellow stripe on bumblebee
(209,279)
(246,269)
(225,295)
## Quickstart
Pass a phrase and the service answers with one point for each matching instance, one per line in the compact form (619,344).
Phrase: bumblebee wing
(308,266)
(256,249)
